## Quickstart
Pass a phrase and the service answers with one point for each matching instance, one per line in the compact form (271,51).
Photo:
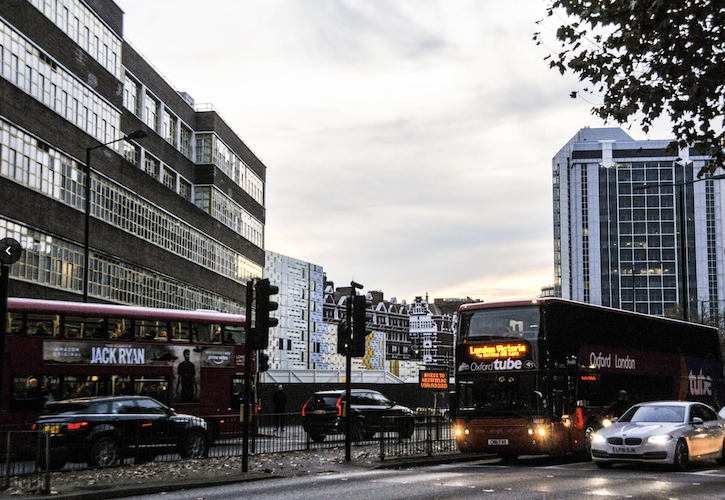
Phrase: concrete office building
(300,341)
(177,217)
(618,244)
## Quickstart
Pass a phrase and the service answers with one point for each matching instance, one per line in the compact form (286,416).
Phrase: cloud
(408,143)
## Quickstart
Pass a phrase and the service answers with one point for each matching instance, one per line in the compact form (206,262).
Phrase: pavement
(158,477)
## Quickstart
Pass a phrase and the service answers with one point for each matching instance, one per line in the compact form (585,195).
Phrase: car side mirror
(697,421)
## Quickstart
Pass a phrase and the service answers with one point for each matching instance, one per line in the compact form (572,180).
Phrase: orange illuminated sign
(498,351)
(434,380)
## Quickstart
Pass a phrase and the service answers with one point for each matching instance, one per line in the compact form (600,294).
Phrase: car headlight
(659,439)
(598,439)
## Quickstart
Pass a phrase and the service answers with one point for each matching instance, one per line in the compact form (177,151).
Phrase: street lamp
(682,257)
(136,134)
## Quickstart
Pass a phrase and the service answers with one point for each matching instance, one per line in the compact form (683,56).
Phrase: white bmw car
(668,432)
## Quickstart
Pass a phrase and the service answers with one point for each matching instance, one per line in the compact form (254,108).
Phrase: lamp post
(136,134)
(681,240)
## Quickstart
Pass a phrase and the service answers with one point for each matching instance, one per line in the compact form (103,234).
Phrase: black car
(102,431)
(371,413)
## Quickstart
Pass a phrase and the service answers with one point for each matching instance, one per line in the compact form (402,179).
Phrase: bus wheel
(104,452)
(194,446)
(682,455)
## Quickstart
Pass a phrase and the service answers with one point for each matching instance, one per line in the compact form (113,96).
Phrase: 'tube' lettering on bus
(118,355)
(700,385)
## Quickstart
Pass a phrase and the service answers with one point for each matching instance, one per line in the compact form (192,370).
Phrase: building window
(152,166)
(131,152)
(185,189)
(131,92)
(170,126)
(170,179)
(185,142)
(151,112)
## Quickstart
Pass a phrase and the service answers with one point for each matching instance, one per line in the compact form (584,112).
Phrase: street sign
(10,251)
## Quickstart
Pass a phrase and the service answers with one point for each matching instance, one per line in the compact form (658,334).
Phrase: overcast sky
(408,143)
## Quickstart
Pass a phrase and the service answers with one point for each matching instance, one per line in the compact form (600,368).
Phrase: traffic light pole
(348,384)
(348,373)
(247,376)
(4,281)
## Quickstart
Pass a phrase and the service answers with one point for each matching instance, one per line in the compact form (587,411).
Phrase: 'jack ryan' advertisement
(184,360)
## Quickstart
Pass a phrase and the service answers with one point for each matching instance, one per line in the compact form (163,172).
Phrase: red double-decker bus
(537,377)
(191,360)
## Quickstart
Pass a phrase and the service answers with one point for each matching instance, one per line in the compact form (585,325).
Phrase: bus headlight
(538,431)
(460,432)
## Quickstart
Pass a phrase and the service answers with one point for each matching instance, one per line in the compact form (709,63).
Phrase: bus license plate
(498,442)
(623,449)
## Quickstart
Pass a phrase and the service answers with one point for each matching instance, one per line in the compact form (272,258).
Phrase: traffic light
(263,322)
(263,362)
(343,339)
(359,329)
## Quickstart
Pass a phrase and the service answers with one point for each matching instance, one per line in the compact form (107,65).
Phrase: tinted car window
(708,414)
(126,407)
(150,406)
(324,401)
(100,408)
(60,408)
(381,400)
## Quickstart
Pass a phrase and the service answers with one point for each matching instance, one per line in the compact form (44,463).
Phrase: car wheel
(721,460)
(406,428)
(682,455)
(194,446)
(603,465)
(104,453)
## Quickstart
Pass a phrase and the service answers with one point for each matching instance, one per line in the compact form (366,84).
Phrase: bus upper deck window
(16,324)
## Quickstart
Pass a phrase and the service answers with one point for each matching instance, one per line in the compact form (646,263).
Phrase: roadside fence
(29,456)
(433,436)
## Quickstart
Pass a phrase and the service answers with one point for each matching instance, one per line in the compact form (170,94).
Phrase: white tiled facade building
(299,341)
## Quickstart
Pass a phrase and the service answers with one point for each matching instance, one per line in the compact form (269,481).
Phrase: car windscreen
(667,414)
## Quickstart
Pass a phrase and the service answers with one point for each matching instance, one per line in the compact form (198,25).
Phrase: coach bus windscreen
(505,322)
(497,362)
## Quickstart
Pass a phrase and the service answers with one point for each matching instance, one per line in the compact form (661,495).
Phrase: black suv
(371,412)
(102,431)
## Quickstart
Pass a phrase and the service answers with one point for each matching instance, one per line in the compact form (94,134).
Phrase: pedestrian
(279,401)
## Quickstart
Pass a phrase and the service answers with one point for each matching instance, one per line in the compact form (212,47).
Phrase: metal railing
(25,464)
(433,435)
(29,456)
